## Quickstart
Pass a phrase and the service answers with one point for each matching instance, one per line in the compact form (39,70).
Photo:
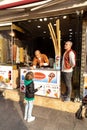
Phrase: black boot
(78,114)
(86,113)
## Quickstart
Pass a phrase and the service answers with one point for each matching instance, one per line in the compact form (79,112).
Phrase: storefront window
(5,45)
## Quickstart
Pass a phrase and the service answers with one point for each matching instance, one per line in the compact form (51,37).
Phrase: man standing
(68,63)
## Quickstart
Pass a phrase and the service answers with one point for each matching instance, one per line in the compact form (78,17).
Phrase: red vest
(66,59)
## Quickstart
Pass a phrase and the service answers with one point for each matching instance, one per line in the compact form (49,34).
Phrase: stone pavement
(11,118)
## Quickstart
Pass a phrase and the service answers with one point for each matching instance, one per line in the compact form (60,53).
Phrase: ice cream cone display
(50,77)
(58,36)
(56,41)
(53,35)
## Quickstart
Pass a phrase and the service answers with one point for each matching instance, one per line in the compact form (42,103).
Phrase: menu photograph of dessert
(50,77)
(6,77)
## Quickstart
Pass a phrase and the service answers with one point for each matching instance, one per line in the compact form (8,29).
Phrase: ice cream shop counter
(49,79)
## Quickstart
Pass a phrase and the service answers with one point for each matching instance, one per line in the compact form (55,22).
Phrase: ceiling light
(12,34)
(44,32)
(29,21)
(64,17)
(54,24)
(45,19)
(82,11)
(50,18)
(71,33)
(41,20)
(56,17)
(38,26)
(77,12)
(70,29)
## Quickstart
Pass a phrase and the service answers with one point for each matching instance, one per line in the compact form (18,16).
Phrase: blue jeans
(67,78)
(28,109)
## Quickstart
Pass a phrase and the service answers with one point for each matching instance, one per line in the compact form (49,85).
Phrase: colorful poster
(6,77)
(48,79)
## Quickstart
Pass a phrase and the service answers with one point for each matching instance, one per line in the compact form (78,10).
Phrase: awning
(41,8)
(9,3)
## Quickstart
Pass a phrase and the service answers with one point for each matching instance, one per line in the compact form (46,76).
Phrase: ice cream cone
(50,77)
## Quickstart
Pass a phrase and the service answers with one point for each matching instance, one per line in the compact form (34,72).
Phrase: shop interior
(37,35)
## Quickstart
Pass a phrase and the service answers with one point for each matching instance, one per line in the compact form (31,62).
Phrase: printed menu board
(6,77)
(48,79)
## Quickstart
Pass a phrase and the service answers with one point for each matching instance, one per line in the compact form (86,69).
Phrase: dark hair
(29,75)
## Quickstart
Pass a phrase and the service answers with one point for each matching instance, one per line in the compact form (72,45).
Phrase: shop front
(70,30)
